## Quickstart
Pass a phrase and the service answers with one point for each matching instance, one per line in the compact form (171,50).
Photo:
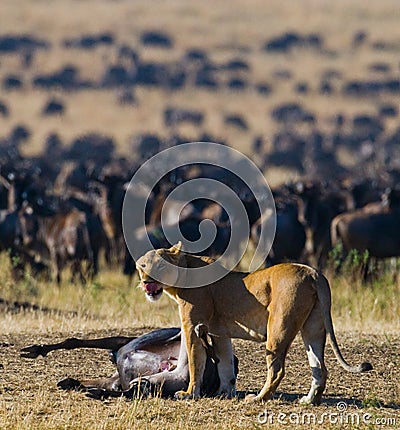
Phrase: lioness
(270,305)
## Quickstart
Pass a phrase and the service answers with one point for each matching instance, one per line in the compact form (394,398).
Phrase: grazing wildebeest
(13,234)
(319,206)
(290,236)
(374,228)
(154,362)
(64,237)
(99,222)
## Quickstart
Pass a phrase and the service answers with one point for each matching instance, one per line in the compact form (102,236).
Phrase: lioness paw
(250,398)
(257,398)
(306,400)
(183,395)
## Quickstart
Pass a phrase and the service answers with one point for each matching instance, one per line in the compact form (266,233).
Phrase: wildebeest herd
(68,212)
(64,205)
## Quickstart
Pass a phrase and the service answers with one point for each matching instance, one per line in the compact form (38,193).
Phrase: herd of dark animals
(64,206)
(67,213)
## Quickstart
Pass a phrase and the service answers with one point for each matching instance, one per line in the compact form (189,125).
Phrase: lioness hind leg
(276,355)
(314,338)
(276,371)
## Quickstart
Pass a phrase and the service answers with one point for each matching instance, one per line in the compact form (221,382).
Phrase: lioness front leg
(226,366)
(197,361)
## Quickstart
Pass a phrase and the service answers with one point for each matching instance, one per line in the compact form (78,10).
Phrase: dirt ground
(29,397)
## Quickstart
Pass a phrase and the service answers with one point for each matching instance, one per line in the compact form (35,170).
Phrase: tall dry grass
(108,302)
(111,302)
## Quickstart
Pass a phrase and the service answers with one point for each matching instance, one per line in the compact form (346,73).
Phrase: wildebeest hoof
(226,395)
(69,384)
(32,351)
(141,388)
(98,393)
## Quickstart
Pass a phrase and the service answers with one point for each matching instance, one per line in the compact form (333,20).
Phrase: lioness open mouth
(152,289)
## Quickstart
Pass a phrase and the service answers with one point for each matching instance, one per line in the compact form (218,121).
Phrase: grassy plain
(367,316)
(367,324)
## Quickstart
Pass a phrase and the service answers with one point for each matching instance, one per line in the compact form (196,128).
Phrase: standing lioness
(270,305)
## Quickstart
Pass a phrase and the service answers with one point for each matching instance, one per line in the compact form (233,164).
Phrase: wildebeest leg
(54,264)
(106,384)
(129,265)
(58,268)
(111,251)
(369,266)
(111,343)
(77,272)
(94,265)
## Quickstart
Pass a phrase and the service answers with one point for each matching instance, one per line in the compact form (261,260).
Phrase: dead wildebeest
(155,362)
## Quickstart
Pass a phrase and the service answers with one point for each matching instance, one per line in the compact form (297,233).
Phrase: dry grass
(111,302)
(367,324)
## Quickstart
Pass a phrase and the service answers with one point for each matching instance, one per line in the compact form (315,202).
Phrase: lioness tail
(324,297)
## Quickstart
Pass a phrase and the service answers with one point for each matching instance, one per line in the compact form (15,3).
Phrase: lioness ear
(176,249)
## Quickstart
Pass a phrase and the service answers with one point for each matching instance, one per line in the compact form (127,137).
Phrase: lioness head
(158,269)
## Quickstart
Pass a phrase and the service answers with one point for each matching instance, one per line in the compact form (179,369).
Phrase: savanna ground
(367,322)
(366,316)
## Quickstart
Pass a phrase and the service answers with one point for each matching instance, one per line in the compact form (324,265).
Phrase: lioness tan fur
(270,305)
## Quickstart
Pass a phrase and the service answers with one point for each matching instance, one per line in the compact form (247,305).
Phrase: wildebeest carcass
(154,362)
